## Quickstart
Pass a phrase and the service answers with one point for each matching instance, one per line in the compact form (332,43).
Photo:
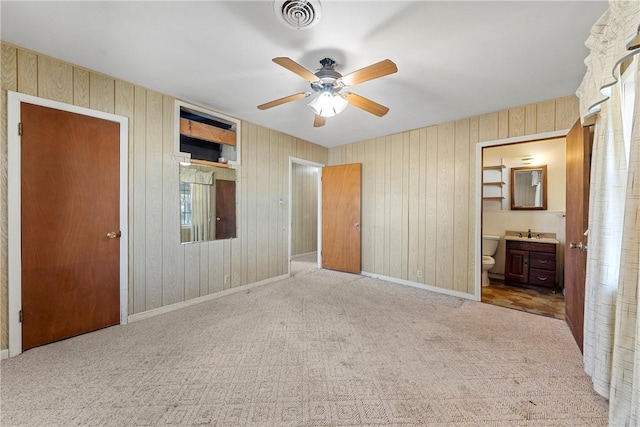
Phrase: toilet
(489,247)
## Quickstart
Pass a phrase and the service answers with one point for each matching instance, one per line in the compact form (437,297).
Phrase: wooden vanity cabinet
(530,263)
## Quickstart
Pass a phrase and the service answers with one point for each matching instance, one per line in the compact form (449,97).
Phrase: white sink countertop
(533,239)
(536,236)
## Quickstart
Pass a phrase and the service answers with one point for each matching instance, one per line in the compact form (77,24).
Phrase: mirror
(529,188)
(207,203)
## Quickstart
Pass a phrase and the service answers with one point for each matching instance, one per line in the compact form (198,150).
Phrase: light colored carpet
(320,348)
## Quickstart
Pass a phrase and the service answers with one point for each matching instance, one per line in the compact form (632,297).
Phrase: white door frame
(293,160)
(479,147)
(14,207)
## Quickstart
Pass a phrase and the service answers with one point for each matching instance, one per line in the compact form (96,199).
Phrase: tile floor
(530,299)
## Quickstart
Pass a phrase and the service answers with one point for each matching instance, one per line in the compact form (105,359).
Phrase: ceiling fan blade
(366,104)
(284,100)
(319,121)
(379,69)
(293,66)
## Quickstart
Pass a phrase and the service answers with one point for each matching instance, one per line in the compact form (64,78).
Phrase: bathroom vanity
(530,261)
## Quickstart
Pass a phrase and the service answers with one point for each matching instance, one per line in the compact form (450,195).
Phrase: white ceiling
(455,59)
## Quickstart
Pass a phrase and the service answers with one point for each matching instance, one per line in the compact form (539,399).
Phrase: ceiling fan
(328,84)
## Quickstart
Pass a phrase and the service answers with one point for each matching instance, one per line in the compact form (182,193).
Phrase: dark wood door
(70,195)
(225,209)
(575,264)
(341,199)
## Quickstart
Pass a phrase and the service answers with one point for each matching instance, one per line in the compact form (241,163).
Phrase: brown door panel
(341,199)
(225,209)
(575,266)
(70,198)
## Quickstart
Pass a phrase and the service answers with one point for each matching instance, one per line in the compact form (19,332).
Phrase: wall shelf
(208,163)
(493,182)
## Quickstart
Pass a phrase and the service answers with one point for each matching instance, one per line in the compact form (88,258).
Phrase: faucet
(529,234)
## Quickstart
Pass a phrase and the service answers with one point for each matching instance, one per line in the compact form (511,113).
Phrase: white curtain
(606,213)
(201,182)
(535,183)
(625,378)
(193,175)
(612,328)
(200,217)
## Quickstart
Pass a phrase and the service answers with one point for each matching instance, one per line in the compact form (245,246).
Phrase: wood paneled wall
(418,192)
(162,271)
(304,209)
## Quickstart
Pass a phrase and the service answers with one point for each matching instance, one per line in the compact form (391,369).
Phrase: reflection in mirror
(207,203)
(529,188)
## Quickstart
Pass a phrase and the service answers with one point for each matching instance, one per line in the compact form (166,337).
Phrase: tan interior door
(70,194)
(225,209)
(575,264)
(341,198)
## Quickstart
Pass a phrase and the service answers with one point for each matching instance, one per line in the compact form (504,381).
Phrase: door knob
(217,218)
(356,224)
(579,245)
(114,234)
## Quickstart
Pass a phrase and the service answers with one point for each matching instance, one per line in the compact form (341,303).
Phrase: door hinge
(20,316)
(20,129)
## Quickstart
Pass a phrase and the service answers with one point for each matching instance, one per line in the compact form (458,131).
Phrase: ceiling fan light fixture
(327,83)
(328,104)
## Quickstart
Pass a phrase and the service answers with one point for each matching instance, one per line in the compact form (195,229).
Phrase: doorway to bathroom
(505,273)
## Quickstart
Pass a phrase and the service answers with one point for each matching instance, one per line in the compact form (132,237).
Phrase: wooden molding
(209,163)
(206,132)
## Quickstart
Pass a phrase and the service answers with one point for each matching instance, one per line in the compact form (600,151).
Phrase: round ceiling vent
(298,14)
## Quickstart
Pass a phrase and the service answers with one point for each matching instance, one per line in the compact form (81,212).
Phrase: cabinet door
(517,266)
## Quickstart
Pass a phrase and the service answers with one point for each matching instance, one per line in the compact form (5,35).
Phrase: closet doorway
(305,215)
(67,220)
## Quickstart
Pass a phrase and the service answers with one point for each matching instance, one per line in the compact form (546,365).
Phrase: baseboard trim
(304,254)
(183,304)
(421,286)
(4,354)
